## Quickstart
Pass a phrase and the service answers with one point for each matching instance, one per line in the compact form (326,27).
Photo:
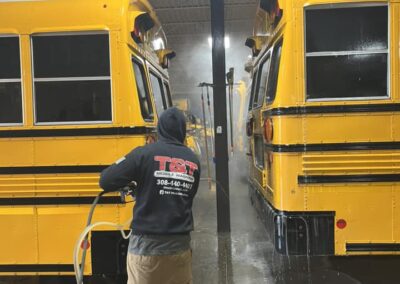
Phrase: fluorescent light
(210,41)
(227,42)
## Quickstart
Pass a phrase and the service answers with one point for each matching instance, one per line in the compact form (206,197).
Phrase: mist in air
(193,65)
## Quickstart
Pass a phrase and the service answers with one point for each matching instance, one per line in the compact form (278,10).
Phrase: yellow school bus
(81,84)
(323,125)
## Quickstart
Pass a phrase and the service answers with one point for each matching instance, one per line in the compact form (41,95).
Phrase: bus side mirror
(256,43)
(269,5)
(142,24)
(164,56)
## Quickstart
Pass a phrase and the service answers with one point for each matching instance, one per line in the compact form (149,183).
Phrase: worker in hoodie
(167,174)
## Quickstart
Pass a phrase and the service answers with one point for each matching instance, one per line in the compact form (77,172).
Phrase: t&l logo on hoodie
(174,175)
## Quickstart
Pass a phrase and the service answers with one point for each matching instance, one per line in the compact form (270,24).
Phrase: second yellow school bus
(81,84)
(323,125)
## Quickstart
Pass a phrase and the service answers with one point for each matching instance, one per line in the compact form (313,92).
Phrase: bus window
(259,151)
(158,92)
(142,89)
(274,72)
(167,92)
(253,87)
(353,65)
(263,73)
(10,81)
(72,80)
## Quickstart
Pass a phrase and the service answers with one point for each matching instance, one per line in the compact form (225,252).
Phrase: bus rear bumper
(296,233)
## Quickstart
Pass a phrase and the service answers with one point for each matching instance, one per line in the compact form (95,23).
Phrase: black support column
(220,115)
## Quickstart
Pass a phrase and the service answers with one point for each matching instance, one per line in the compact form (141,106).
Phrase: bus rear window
(167,92)
(10,81)
(143,91)
(253,88)
(263,74)
(274,72)
(158,92)
(72,82)
(353,64)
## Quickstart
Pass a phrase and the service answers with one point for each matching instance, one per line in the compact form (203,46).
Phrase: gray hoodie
(167,174)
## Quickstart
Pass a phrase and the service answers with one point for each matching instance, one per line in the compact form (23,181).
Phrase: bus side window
(10,81)
(167,92)
(353,64)
(274,72)
(158,93)
(142,89)
(253,87)
(72,80)
(262,82)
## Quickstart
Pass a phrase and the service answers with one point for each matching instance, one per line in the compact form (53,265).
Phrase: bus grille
(366,163)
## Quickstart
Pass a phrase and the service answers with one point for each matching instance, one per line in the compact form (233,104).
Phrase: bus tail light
(268,130)
(249,127)
(341,223)
(85,244)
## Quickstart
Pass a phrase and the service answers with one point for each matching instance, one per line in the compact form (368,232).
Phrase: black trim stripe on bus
(37,268)
(82,200)
(51,170)
(360,247)
(313,179)
(333,109)
(333,147)
(109,131)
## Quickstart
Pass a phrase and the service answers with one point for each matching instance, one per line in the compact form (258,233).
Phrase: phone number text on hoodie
(174,183)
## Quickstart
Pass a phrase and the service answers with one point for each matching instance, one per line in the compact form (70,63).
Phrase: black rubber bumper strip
(37,268)
(33,201)
(51,170)
(109,131)
(313,179)
(358,146)
(359,247)
(333,109)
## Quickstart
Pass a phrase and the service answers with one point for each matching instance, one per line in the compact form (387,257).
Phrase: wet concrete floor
(246,255)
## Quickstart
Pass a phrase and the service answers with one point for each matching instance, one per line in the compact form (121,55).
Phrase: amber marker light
(150,139)
(85,244)
(268,130)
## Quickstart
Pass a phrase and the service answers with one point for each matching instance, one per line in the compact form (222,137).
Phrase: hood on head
(172,125)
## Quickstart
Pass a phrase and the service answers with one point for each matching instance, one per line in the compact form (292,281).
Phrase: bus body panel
(49,171)
(328,160)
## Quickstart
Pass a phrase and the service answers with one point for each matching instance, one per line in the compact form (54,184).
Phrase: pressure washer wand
(230,79)
(211,124)
(205,137)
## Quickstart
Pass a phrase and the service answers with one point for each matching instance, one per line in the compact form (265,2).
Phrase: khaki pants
(160,269)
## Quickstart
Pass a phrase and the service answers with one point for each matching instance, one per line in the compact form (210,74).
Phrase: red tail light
(341,223)
(268,130)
